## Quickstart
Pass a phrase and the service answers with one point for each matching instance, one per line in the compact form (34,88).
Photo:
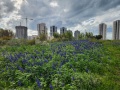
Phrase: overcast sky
(82,15)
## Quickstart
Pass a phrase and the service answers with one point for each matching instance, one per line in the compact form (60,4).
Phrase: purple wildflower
(38,83)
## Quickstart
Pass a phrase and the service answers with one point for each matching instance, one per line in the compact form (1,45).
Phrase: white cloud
(18,3)
(54,4)
(32,32)
(92,24)
(90,21)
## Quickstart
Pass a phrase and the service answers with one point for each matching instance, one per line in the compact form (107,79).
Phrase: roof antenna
(20,23)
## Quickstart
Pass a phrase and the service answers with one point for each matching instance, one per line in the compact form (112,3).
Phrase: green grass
(75,65)
(113,48)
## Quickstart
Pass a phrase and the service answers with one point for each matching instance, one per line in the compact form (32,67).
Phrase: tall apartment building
(42,29)
(21,32)
(63,30)
(116,30)
(76,34)
(102,30)
(53,29)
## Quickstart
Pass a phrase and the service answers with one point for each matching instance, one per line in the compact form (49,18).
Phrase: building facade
(76,34)
(63,30)
(42,29)
(53,29)
(116,30)
(102,30)
(21,32)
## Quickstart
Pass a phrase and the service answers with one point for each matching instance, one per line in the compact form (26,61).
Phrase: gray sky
(82,15)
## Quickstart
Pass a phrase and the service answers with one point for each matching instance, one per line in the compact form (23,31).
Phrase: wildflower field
(72,65)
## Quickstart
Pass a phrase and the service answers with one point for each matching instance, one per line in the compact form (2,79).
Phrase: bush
(6,34)
(98,37)
(56,35)
(3,42)
(31,42)
(16,42)
(43,37)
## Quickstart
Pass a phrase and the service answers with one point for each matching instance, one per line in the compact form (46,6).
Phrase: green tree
(88,35)
(43,37)
(6,34)
(56,35)
(81,36)
(98,37)
(68,35)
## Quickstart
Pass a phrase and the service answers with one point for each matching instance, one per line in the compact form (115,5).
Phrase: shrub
(43,37)
(16,42)
(56,35)
(31,42)
(3,42)
(6,34)
(98,37)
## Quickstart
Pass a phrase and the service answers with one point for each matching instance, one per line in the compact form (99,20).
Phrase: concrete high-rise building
(76,34)
(116,30)
(21,32)
(42,29)
(63,30)
(53,29)
(102,30)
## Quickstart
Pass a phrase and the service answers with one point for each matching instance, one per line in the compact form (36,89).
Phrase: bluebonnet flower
(74,70)
(61,64)
(70,84)
(46,60)
(67,60)
(19,55)
(87,70)
(38,83)
(1,71)
(70,65)
(24,61)
(15,58)
(19,83)
(51,87)
(59,72)
(33,57)
(28,64)
(10,58)
(11,67)
(53,66)
(28,70)
(41,74)
(41,63)
(21,69)
(43,51)
(73,78)
(50,57)
(62,84)
(6,67)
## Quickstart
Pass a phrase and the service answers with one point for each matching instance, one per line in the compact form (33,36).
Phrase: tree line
(68,36)
(6,34)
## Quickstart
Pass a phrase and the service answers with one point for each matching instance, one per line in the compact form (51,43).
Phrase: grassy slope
(112,80)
